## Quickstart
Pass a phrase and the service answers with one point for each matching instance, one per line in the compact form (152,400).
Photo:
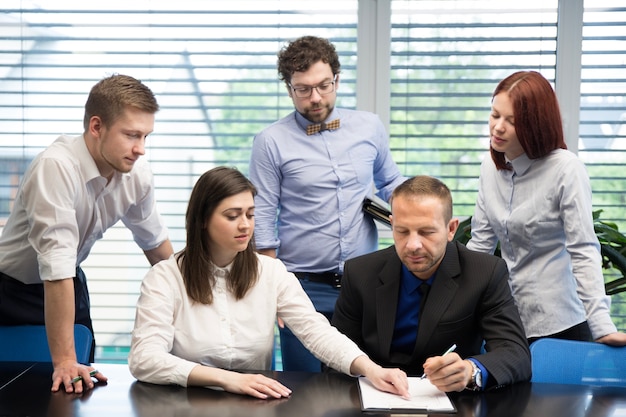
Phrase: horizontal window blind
(603,104)
(447,57)
(602,144)
(212,66)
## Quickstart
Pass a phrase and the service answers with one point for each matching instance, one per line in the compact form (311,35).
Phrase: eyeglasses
(322,89)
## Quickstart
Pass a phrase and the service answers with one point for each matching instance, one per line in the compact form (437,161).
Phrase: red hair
(536,112)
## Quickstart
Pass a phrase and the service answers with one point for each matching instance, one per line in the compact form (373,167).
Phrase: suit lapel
(387,300)
(440,297)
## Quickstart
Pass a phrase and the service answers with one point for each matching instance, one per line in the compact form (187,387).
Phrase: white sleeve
(324,341)
(150,359)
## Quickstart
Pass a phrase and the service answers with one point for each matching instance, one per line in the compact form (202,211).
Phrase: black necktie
(423,290)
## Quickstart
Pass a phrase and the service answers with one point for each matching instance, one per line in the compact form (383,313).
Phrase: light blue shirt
(541,214)
(311,188)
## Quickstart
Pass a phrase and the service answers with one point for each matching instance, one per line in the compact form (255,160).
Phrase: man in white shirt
(70,195)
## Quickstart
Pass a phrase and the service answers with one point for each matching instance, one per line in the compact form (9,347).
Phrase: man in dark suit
(466,295)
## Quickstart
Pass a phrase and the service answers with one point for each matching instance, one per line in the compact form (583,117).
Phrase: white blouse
(173,334)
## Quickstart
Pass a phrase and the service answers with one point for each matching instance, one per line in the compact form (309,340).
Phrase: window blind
(602,144)
(446,59)
(212,66)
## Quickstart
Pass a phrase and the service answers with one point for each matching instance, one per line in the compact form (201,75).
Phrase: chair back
(29,343)
(578,363)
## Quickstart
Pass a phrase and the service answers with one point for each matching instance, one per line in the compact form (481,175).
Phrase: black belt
(331,278)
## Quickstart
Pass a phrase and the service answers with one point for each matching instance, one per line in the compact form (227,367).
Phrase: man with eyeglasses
(313,168)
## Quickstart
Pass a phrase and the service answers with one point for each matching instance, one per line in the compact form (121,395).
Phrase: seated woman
(210,309)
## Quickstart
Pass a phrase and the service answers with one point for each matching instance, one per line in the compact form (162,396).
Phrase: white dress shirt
(541,214)
(64,206)
(173,334)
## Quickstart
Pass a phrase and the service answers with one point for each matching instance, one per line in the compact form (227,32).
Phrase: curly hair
(300,54)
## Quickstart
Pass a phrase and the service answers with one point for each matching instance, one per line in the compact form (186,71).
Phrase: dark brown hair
(424,185)
(110,97)
(537,115)
(300,54)
(195,259)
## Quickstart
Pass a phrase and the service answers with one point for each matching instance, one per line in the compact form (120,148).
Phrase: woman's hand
(255,385)
(391,380)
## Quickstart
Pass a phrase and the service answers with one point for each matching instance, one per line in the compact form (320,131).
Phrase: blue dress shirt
(407,317)
(311,188)
(407,312)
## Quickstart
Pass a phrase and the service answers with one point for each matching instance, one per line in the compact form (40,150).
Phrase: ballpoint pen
(78,378)
(450,349)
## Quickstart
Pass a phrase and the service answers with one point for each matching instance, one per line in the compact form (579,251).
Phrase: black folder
(377,211)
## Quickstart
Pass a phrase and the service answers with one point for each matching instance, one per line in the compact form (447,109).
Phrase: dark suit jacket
(469,301)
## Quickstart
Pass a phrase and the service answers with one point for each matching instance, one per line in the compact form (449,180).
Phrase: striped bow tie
(311,129)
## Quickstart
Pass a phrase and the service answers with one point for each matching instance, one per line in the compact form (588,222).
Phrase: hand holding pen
(450,349)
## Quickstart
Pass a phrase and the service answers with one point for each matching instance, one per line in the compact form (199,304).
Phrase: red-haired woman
(534,198)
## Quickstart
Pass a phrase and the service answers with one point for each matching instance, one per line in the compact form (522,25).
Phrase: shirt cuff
(483,371)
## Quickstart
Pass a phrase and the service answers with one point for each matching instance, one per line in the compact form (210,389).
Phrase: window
(446,59)
(212,66)
(602,144)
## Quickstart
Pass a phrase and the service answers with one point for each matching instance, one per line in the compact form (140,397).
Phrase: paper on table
(424,397)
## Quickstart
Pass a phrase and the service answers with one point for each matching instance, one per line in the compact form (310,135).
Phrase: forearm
(207,376)
(161,252)
(59,316)
(363,365)
(255,385)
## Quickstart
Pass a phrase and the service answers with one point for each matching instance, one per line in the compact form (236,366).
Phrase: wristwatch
(476,381)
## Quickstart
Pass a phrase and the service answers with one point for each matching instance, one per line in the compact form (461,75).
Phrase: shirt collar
(521,164)
(88,166)
(222,272)
(410,282)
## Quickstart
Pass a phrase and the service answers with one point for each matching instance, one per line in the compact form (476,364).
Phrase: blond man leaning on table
(70,195)
(209,310)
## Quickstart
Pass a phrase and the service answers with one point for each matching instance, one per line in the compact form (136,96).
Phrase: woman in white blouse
(210,309)
(534,198)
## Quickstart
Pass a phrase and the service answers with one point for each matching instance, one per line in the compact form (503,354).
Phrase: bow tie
(311,129)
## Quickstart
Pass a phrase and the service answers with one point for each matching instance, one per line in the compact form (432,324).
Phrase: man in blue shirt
(405,306)
(313,168)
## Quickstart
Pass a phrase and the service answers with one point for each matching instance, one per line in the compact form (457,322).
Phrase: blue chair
(29,343)
(578,363)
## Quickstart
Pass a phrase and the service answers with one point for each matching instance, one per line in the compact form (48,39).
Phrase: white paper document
(425,397)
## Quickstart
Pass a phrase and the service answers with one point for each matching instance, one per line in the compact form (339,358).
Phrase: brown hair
(110,97)
(300,54)
(537,115)
(424,185)
(195,259)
